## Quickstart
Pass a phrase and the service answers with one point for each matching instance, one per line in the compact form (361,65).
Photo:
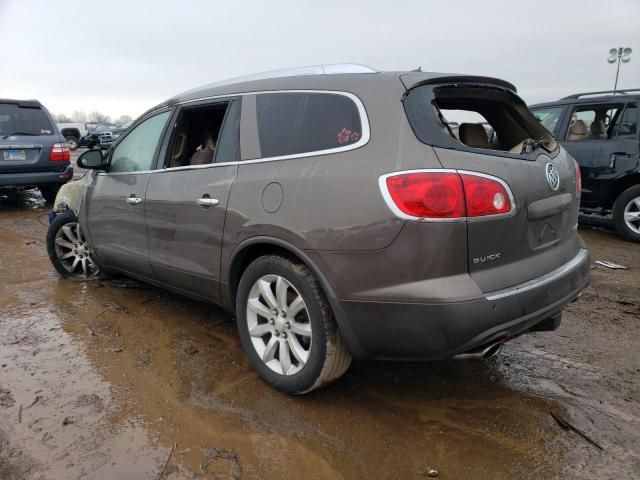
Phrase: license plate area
(546,231)
(14,155)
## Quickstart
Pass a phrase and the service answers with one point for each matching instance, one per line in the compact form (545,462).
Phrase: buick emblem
(553,177)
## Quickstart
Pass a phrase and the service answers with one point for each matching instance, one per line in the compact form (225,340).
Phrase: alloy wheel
(279,324)
(73,251)
(632,215)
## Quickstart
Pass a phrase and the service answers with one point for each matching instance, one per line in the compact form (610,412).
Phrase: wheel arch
(618,186)
(252,248)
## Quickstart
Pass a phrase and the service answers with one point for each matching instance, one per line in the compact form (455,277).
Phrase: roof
(322,77)
(22,103)
(594,97)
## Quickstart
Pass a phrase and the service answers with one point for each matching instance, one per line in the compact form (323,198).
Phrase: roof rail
(327,69)
(578,95)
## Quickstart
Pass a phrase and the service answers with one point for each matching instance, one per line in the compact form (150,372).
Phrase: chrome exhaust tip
(484,353)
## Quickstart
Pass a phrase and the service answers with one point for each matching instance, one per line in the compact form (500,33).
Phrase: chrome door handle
(133,200)
(207,202)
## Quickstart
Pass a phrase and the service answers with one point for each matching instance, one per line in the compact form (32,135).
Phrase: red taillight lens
(59,152)
(485,196)
(447,195)
(578,180)
(428,194)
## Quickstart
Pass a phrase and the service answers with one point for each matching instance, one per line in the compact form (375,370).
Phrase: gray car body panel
(384,276)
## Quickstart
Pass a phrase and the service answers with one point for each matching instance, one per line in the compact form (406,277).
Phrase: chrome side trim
(384,189)
(364,139)
(540,281)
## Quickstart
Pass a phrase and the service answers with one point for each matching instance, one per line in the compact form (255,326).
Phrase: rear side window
(594,122)
(476,118)
(291,123)
(18,120)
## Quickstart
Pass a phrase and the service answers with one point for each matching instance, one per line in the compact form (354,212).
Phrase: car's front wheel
(287,328)
(68,249)
(626,214)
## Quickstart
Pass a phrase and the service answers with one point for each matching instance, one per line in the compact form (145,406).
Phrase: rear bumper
(431,331)
(32,179)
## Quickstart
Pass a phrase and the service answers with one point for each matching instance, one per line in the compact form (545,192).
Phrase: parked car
(334,213)
(600,129)
(74,132)
(101,136)
(33,152)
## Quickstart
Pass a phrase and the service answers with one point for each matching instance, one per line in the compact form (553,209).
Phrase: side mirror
(91,160)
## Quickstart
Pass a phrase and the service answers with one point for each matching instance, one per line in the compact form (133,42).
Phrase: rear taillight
(445,194)
(578,180)
(59,152)
(485,195)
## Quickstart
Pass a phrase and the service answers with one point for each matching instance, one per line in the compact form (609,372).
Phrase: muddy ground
(100,379)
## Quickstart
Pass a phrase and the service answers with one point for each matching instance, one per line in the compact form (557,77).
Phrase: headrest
(474,135)
(578,128)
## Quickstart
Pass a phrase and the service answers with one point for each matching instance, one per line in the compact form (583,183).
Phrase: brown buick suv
(335,212)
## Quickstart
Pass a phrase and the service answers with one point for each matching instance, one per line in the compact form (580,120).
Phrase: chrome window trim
(384,189)
(542,280)
(364,139)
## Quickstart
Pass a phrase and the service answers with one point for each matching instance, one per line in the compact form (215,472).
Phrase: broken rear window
(485,118)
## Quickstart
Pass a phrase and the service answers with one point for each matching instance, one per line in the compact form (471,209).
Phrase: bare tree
(61,118)
(79,116)
(123,119)
(99,117)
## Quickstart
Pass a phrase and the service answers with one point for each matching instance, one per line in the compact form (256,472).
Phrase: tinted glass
(592,122)
(229,141)
(136,151)
(626,125)
(548,117)
(293,123)
(23,120)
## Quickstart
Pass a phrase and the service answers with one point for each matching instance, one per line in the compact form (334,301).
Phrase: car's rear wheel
(49,192)
(287,328)
(72,142)
(68,249)
(626,214)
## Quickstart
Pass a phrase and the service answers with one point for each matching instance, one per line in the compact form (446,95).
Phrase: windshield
(23,120)
(103,128)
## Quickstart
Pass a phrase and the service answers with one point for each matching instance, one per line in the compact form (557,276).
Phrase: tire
(49,192)
(68,249)
(310,339)
(626,214)
(72,142)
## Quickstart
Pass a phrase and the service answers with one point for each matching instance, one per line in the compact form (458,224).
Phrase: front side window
(593,122)
(291,123)
(548,117)
(136,151)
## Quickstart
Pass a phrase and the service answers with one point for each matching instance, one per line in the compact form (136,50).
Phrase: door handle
(206,201)
(133,200)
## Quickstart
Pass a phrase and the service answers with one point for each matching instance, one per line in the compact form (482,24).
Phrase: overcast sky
(122,57)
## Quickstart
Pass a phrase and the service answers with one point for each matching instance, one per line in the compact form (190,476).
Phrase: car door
(619,153)
(115,200)
(185,214)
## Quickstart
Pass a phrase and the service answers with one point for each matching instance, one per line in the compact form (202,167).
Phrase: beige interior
(473,135)
(577,131)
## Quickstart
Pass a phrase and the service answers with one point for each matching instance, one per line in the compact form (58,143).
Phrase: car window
(136,151)
(24,120)
(626,125)
(549,118)
(292,123)
(592,122)
(229,141)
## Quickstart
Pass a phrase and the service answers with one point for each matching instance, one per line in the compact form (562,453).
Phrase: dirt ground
(100,379)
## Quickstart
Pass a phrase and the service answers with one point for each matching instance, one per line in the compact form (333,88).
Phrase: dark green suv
(600,130)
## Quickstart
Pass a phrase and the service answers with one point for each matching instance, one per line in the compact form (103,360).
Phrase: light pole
(619,55)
